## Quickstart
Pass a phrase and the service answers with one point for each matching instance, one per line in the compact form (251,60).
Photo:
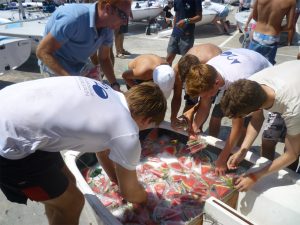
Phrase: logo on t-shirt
(231,57)
(100,90)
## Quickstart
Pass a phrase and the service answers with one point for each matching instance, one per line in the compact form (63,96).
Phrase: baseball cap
(164,77)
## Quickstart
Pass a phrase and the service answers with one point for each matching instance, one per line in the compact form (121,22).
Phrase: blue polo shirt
(73,26)
(186,9)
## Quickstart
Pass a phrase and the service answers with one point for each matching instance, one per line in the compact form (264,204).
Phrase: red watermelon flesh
(222,190)
(176,166)
(177,177)
(205,168)
(160,188)
(189,182)
(153,135)
(182,159)
(159,173)
(170,150)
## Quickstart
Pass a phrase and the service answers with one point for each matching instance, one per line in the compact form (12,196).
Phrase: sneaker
(120,55)
(126,52)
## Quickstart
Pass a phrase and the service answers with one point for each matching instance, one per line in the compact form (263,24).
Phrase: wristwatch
(115,84)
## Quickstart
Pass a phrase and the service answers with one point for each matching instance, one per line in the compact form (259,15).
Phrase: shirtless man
(197,54)
(150,67)
(268,15)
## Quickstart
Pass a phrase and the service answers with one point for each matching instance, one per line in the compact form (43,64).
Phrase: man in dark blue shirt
(187,13)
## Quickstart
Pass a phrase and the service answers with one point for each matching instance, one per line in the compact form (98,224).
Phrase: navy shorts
(123,29)
(180,45)
(217,111)
(38,177)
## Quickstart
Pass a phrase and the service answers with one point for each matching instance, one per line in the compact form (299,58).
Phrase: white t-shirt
(284,79)
(240,63)
(59,113)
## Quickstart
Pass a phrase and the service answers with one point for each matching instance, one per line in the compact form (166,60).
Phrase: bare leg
(268,148)
(118,43)
(66,208)
(224,24)
(214,126)
(170,58)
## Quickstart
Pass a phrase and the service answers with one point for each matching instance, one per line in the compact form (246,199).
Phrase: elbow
(38,53)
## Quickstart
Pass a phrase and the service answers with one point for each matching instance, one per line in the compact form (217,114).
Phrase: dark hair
(147,100)
(242,97)
(185,63)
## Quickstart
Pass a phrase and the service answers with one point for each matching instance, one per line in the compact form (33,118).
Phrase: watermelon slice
(177,177)
(153,134)
(205,168)
(170,149)
(221,190)
(159,173)
(176,166)
(182,159)
(160,188)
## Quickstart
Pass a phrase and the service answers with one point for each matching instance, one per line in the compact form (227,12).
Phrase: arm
(202,113)
(292,144)
(106,65)
(107,165)
(194,19)
(45,52)
(254,12)
(289,19)
(127,180)
(176,100)
(251,134)
(128,77)
(235,133)
(129,185)
(137,73)
(248,21)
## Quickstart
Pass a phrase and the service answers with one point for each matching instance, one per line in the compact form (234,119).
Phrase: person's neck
(99,21)
(221,82)
(270,97)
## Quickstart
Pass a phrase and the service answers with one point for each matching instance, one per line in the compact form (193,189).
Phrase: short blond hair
(200,78)
(148,101)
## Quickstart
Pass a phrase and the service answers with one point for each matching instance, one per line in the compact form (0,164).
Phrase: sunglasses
(121,14)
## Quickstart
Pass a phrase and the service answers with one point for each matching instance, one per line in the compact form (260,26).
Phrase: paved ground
(137,43)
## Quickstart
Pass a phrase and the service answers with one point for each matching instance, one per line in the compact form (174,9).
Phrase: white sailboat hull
(144,10)
(207,17)
(13,53)
(32,30)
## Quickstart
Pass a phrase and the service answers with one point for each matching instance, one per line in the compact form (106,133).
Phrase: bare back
(205,52)
(144,65)
(269,15)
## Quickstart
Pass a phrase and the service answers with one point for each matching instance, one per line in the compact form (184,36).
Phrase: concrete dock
(137,43)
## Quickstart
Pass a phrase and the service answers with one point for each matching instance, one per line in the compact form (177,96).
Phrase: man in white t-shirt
(42,117)
(274,89)
(212,79)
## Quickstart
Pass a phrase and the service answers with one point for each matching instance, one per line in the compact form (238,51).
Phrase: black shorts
(38,177)
(189,101)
